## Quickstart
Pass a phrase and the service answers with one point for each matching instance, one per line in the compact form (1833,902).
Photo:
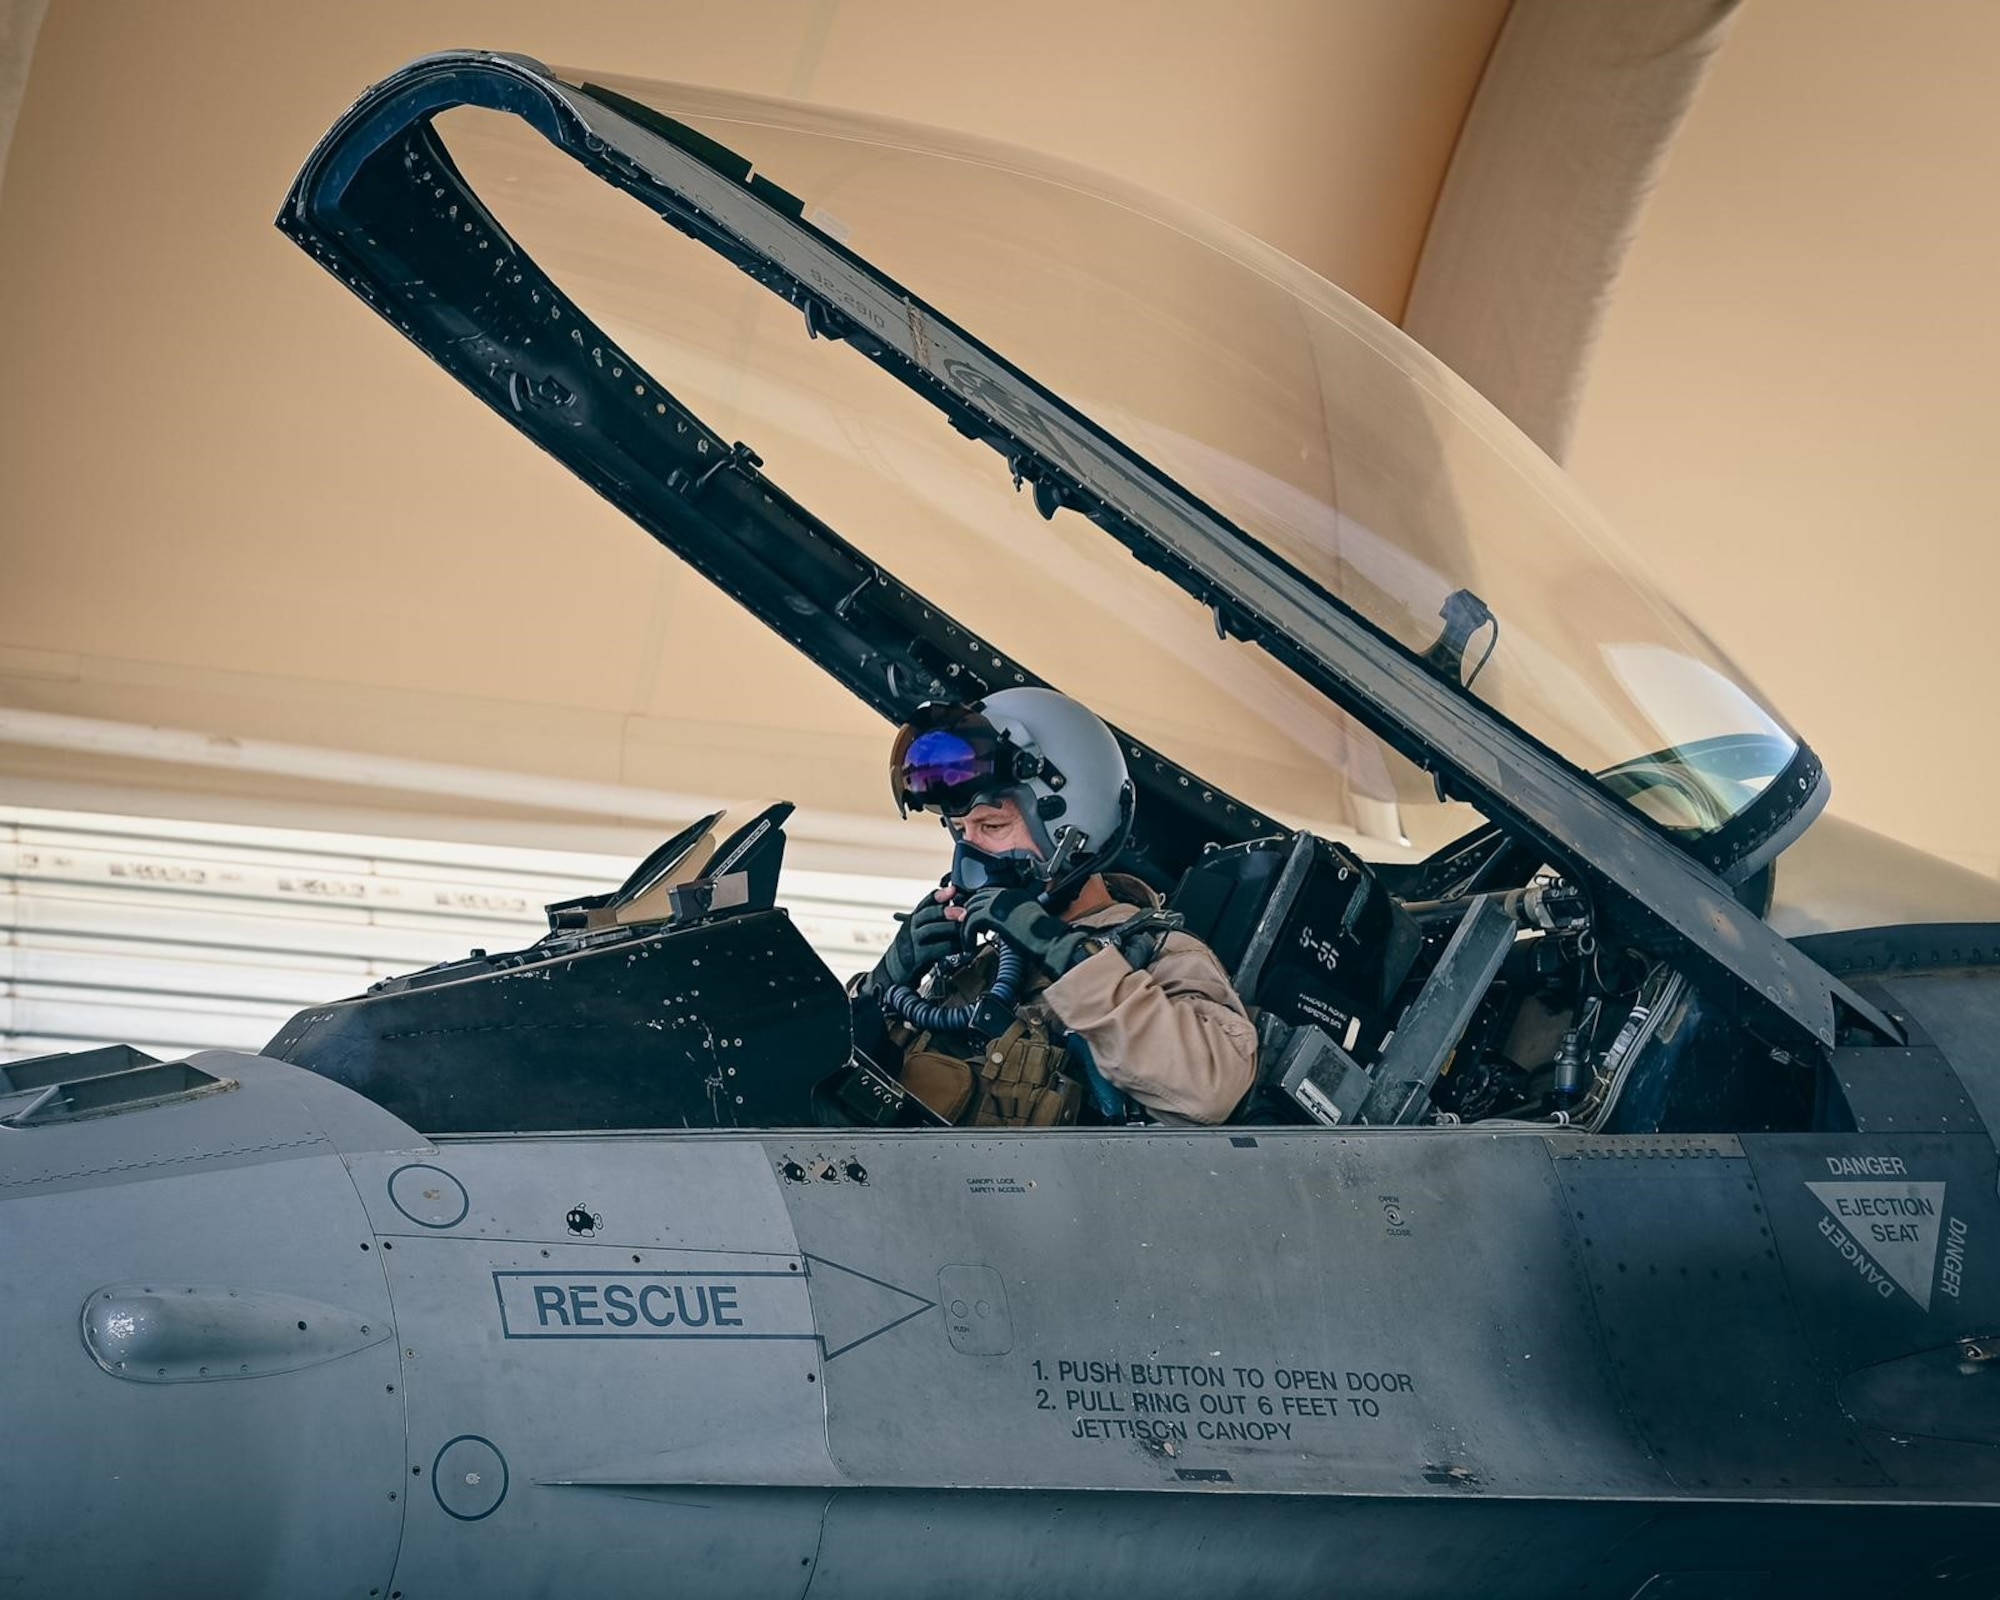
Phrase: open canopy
(1265,392)
(1427,598)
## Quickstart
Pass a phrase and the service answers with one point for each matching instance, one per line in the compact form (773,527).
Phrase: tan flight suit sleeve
(1173,1036)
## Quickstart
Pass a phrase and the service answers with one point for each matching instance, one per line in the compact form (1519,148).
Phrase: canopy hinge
(740,457)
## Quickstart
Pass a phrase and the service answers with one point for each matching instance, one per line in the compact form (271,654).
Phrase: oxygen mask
(973,869)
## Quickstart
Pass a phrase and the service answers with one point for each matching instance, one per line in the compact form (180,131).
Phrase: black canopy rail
(457,284)
(380,204)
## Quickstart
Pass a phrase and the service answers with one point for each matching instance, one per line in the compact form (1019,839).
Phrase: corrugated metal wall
(176,936)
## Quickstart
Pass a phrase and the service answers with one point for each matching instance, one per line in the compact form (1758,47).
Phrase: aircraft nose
(203,1377)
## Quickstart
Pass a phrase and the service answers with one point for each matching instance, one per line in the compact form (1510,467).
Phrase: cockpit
(687,998)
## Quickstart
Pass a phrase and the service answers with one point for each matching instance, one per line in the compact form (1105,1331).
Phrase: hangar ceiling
(237,510)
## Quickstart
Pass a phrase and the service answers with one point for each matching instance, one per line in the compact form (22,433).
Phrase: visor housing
(949,758)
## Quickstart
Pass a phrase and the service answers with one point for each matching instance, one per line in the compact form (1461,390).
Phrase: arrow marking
(839,1296)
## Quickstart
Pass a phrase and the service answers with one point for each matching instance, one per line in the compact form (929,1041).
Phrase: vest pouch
(942,1082)
(1022,1084)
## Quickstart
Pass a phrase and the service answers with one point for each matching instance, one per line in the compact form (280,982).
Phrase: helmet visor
(947,757)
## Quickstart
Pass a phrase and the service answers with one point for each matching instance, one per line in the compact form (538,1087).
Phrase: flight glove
(1017,918)
(925,938)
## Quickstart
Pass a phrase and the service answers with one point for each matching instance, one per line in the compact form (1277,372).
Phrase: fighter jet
(1591,1231)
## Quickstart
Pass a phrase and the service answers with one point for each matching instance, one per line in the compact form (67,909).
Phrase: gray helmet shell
(1091,790)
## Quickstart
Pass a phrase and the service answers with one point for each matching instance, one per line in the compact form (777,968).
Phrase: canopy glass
(1285,405)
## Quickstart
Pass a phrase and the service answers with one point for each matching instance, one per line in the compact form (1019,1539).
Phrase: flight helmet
(1055,758)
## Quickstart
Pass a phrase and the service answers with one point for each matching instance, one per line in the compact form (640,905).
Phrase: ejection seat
(1319,951)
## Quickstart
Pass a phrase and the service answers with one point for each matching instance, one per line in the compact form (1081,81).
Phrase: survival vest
(1027,1076)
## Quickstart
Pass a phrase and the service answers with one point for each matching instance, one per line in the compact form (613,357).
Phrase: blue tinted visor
(946,758)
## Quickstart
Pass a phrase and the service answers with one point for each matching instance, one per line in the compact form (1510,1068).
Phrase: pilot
(1110,1001)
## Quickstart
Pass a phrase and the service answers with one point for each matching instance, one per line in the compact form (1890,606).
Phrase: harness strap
(1139,939)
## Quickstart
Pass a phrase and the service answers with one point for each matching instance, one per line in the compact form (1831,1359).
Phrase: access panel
(1214,1311)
